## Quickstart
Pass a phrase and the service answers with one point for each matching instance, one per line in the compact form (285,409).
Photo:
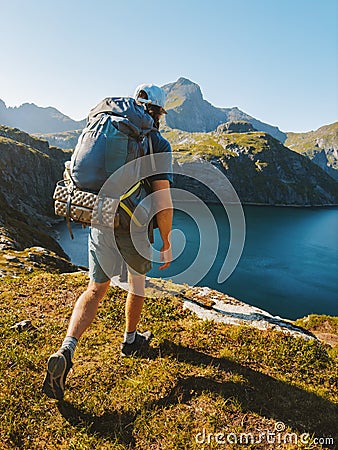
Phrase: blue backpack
(117,131)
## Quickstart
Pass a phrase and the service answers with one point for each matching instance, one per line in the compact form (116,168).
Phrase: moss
(174,102)
(319,322)
(200,375)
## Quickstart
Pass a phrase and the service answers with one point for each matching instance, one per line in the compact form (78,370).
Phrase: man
(101,248)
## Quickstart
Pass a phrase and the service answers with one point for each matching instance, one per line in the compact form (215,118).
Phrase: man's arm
(164,217)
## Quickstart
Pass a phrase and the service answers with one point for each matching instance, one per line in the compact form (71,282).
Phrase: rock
(24,325)
(11,258)
(42,250)
(229,310)
(200,298)
(239,126)
(34,257)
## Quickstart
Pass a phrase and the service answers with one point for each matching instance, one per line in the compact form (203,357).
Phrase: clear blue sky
(276,60)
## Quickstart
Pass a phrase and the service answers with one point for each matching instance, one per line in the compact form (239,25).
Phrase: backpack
(117,131)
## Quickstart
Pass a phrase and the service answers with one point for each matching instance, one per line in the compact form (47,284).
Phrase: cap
(156,95)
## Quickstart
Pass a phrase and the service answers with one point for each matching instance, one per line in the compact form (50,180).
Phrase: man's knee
(97,290)
(136,284)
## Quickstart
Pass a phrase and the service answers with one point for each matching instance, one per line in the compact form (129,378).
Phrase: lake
(288,267)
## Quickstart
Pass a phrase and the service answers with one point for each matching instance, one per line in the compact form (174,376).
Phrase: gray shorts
(106,258)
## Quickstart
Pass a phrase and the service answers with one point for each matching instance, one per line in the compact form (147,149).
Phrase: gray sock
(70,343)
(129,337)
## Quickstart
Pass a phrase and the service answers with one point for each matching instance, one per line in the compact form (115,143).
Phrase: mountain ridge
(260,168)
(189,111)
(320,145)
(37,119)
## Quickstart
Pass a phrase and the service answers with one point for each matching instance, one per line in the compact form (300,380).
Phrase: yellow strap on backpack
(131,191)
(125,207)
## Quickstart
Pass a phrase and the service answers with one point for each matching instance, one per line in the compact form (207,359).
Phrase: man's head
(151,95)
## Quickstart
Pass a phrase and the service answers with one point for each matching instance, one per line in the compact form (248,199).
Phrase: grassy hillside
(324,137)
(320,145)
(29,169)
(260,168)
(216,144)
(66,140)
(200,375)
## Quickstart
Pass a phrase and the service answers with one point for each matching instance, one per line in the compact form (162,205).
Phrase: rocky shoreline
(209,304)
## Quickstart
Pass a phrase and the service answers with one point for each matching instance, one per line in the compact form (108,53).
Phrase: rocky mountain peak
(182,89)
(189,111)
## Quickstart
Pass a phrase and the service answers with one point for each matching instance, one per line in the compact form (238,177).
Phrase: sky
(275,60)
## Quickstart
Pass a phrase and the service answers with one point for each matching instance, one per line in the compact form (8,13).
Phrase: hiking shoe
(58,366)
(139,346)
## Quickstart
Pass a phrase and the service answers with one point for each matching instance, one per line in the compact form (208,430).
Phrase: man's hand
(165,256)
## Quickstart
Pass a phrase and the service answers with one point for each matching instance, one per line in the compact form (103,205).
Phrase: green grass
(217,144)
(310,143)
(174,102)
(322,323)
(200,375)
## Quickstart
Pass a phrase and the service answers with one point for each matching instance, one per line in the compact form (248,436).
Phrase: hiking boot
(139,347)
(58,366)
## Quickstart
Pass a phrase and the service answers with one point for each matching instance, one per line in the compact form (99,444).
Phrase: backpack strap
(151,153)
(125,207)
(131,191)
(68,206)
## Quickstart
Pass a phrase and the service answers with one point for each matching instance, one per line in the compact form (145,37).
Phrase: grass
(200,376)
(217,144)
(313,141)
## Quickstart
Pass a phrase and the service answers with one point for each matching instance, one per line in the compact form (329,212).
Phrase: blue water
(289,263)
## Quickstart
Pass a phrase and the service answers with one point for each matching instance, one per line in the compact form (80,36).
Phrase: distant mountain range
(35,119)
(187,111)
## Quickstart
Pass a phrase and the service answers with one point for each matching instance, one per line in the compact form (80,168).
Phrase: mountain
(188,111)
(35,119)
(65,139)
(321,146)
(29,169)
(260,168)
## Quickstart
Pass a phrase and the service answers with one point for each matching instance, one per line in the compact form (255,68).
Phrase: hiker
(134,343)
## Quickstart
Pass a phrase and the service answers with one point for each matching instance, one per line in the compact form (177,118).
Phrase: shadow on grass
(304,412)
(110,425)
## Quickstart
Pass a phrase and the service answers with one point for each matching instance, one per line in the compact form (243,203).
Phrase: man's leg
(83,314)
(85,308)
(134,343)
(135,300)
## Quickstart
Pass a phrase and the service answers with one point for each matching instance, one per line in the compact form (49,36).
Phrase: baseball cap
(156,95)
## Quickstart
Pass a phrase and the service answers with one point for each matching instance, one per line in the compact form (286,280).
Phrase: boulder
(236,126)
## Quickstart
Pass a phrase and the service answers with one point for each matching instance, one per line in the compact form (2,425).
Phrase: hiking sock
(129,337)
(70,343)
